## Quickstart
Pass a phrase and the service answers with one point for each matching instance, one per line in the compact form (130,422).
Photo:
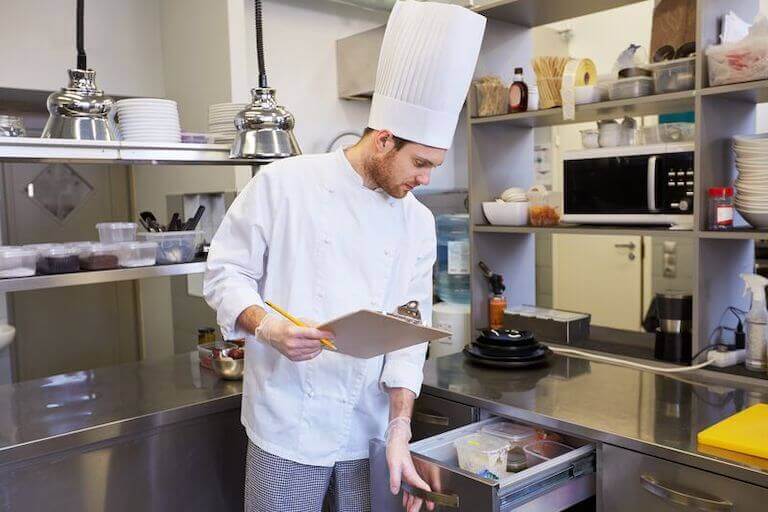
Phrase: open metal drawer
(552,486)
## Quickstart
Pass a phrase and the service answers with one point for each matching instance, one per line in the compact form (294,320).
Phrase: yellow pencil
(326,342)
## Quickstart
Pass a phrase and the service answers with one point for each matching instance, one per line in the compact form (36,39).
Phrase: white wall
(122,40)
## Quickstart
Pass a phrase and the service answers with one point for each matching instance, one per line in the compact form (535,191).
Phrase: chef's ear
(384,140)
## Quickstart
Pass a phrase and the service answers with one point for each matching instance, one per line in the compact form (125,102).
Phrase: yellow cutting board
(744,432)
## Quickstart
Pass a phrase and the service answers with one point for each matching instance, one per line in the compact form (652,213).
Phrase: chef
(326,235)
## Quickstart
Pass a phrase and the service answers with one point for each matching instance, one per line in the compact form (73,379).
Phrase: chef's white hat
(425,68)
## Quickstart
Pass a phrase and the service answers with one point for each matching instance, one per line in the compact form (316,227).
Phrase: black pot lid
(538,353)
(505,337)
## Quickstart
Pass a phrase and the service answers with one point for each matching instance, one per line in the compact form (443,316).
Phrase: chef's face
(398,169)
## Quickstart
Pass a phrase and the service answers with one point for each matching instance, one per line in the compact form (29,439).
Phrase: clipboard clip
(408,312)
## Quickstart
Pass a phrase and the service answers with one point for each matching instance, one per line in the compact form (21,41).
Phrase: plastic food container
(669,132)
(57,259)
(17,262)
(742,61)
(634,87)
(587,94)
(97,256)
(137,254)
(517,435)
(111,232)
(590,139)
(541,451)
(544,208)
(482,454)
(674,75)
(174,246)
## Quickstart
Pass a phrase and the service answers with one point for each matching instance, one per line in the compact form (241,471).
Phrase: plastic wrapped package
(742,61)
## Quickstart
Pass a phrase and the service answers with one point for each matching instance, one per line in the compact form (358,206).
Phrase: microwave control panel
(677,189)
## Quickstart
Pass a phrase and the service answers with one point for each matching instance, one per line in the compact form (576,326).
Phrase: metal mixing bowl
(229,369)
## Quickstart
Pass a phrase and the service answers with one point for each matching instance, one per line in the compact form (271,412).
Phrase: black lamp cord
(260,44)
(81,60)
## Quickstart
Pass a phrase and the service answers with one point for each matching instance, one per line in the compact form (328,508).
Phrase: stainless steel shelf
(29,149)
(646,105)
(531,13)
(99,276)
(573,229)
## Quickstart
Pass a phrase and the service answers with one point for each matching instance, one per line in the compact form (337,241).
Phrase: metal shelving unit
(98,276)
(501,155)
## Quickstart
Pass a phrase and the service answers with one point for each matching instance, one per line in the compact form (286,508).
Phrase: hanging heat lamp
(81,110)
(264,129)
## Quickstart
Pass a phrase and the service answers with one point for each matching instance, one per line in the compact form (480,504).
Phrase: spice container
(517,435)
(175,246)
(97,256)
(633,87)
(57,259)
(720,208)
(544,209)
(482,454)
(673,75)
(137,254)
(111,232)
(17,262)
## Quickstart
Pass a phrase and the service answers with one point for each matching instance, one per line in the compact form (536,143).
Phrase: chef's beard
(382,171)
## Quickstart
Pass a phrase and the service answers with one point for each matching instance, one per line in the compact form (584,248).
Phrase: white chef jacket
(306,234)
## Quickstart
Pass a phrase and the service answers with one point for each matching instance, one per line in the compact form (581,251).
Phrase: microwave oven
(649,185)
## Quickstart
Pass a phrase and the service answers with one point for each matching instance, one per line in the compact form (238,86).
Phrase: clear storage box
(634,87)
(674,75)
(742,61)
(517,435)
(540,451)
(137,254)
(669,132)
(544,206)
(98,256)
(111,232)
(175,246)
(57,259)
(482,454)
(17,262)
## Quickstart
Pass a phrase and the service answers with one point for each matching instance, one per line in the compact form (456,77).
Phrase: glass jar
(12,126)
(720,208)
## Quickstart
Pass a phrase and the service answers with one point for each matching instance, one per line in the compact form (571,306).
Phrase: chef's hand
(401,468)
(295,343)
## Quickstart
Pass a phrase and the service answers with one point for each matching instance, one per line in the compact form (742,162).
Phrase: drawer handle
(431,419)
(443,500)
(708,503)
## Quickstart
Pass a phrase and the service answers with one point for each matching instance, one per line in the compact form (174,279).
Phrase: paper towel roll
(578,72)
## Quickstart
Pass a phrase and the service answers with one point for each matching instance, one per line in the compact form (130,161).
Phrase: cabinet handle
(431,419)
(438,498)
(708,503)
(631,246)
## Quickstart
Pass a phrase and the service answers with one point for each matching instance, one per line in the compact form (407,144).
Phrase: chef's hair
(399,143)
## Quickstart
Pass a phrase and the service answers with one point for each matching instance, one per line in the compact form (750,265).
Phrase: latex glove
(295,343)
(400,464)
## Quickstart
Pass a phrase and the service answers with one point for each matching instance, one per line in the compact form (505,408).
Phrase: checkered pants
(273,484)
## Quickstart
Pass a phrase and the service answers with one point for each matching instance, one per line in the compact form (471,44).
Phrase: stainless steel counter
(656,414)
(43,416)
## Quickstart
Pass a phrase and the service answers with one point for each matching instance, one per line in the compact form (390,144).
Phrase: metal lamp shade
(264,130)
(80,111)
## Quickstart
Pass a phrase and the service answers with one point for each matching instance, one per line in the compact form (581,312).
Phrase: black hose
(81,59)
(260,44)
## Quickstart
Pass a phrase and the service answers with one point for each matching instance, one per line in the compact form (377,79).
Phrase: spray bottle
(757,323)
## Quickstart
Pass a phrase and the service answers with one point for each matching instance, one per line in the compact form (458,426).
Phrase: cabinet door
(635,482)
(433,415)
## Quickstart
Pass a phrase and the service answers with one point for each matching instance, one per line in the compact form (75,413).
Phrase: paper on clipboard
(366,334)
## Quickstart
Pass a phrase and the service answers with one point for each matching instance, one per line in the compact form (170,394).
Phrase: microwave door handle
(652,183)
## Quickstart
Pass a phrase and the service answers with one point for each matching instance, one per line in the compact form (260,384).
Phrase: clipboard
(366,334)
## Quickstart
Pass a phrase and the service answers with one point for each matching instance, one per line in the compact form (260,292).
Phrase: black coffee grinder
(673,336)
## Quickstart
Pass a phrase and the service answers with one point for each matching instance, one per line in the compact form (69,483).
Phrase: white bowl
(758,220)
(506,214)
(7,333)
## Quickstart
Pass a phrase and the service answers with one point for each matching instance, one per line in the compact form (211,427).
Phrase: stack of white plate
(149,120)
(752,184)
(221,121)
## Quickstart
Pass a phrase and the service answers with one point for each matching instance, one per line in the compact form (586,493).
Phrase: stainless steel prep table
(155,435)
(643,424)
